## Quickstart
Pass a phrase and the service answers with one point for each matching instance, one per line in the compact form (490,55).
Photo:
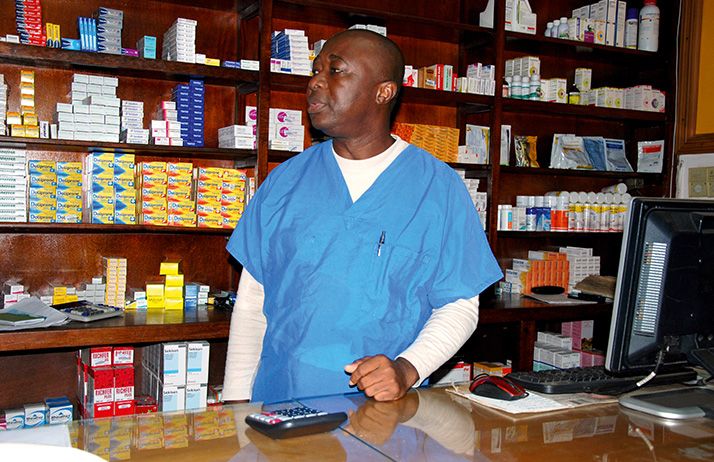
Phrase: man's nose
(316,81)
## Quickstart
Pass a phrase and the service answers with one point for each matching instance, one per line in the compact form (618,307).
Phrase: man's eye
(335,70)
(315,71)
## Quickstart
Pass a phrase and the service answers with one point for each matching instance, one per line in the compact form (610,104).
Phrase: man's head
(357,78)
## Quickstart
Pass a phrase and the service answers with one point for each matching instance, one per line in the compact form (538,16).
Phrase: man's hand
(381,378)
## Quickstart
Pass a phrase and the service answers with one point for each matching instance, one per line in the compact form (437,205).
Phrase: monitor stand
(686,403)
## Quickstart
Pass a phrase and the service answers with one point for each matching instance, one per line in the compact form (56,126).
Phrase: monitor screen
(664,297)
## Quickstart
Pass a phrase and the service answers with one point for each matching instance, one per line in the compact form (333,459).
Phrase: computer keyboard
(590,380)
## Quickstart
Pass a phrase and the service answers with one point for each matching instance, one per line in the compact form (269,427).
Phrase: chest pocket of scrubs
(397,269)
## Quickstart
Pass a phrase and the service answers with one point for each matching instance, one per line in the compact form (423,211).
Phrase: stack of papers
(30,313)
(534,402)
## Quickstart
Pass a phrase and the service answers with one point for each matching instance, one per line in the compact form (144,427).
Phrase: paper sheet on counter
(534,402)
(35,307)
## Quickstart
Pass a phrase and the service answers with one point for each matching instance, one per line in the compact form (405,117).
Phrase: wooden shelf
(557,234)
(144,149)
(334,14)
(556,172)
(586,112)
(412,95)
(134,327)
(518,41)
(516,308)
(89,228)
(54,58)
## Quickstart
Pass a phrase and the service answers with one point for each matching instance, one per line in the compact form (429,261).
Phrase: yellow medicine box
(173,280)
(173,303)
(173,291)
(170,268)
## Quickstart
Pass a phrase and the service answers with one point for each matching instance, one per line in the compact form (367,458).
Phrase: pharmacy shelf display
(428,32)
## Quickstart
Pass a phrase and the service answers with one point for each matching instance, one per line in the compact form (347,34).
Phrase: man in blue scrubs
(363,257)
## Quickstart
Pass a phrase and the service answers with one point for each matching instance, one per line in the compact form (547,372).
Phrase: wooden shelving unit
(428,32)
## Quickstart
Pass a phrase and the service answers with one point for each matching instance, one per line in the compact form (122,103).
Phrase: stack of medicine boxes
(180,41)
(179,194)
(176,374)
(285,129)
(209,189)
(25,123)
(109,25)
(13,184)
(166,130)
(190,105)
(124,189)
(105,381)
(69,192)
(173,285)
(94,112)
(28,19)
(237,137)
(132,123)
(153,181)
(94,292)
(42,196)
(195,294)
(290,53)
(3,106)
(115,276)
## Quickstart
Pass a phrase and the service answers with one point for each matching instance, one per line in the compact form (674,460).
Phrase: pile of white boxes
(176,374)
(3,105)
(132,123)
(93,114)
(180,41)
(13,184)
(571,348)
(165,127)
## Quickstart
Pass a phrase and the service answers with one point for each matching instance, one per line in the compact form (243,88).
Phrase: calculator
(294,421)
(85,311)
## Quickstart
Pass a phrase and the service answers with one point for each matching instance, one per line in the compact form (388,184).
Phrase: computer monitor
(663,314)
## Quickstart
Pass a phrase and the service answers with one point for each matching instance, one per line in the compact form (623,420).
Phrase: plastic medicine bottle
(548,28)
(563,27)
(648,39)
(631,29)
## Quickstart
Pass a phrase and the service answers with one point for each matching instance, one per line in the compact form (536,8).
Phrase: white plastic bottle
(648,38)
(554,30)
(563,27)
(516,88)
(548,29)
(534,87)
(631,29)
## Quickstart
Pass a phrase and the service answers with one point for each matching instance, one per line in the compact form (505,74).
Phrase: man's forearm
(446,330)
(245,342)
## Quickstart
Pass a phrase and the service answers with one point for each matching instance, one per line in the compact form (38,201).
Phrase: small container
(516,88)
(549,29)
(563,28)
(534,88)
(631,25)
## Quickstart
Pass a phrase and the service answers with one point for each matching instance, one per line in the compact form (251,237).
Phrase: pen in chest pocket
(381,243)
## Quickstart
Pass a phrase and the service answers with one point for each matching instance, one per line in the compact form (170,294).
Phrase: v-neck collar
(367,200)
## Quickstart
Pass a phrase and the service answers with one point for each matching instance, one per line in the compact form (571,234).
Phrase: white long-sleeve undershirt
(446,330)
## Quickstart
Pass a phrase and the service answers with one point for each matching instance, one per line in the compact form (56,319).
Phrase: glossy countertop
(426,425)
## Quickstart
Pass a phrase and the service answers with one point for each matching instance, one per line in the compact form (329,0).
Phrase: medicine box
(197,355)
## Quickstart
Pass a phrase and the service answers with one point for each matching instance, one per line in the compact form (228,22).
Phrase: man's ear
(386,92)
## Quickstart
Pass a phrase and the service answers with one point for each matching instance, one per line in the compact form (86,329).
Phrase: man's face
(341,96)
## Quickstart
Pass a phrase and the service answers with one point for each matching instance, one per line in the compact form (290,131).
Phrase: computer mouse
(547,290)
(492,386)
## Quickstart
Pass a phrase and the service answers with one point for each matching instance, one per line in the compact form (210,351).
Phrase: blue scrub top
(343,280)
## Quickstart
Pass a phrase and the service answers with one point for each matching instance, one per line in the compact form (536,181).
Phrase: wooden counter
(427,425)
